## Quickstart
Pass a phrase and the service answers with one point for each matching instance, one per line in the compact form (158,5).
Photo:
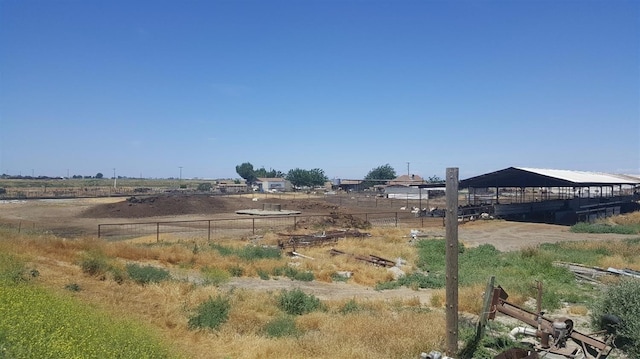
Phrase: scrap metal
(553,333)
(308,240)
(373,259)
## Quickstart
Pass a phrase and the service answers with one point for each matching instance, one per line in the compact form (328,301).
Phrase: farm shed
(347,184)
(560,196)
(273,184)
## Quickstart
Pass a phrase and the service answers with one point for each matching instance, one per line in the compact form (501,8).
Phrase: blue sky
(147,87)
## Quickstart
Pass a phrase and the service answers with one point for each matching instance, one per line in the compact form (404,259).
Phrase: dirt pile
(169,205)
(177,204)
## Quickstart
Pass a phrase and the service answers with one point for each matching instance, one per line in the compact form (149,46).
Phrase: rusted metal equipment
(379,261)
(308,240)
(553,334)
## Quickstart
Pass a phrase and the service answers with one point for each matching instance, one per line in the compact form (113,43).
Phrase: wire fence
(239,227)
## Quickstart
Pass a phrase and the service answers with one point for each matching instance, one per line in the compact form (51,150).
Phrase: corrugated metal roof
(581,176)
(538,177)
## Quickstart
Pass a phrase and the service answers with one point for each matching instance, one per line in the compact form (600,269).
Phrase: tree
(435,179)
(263,173)
(98,175)
(306,178)
(378,175)
(247,172)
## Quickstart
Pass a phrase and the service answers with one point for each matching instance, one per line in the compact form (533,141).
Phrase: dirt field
(85,215)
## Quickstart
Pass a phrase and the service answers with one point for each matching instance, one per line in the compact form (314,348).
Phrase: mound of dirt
(169,205)
(176,205)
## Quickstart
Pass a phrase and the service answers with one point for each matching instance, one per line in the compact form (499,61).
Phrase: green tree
(435,179)
(306,178)
(271,173)
(379,175)
(98,175)
(247,172)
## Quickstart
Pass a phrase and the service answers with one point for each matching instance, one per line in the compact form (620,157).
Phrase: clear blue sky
(147,87)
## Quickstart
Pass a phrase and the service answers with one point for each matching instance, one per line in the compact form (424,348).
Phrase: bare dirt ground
(86,214)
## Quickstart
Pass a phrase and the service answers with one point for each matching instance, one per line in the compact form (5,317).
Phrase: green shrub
(623,301)
(12,269)
(236,271)
(249,253)
(252,253)
(415,280)
(282,326)
(73,287)
(224,251)
(146,274)
(297,302)
(214,276)
(264,275)
(94,263)
(295,274)
(350,307)
(335,277)
(211,314)
(305,276)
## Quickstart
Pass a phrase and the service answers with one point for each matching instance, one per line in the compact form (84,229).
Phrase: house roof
(350,182)
(537,177)
(406,180)
(270,179)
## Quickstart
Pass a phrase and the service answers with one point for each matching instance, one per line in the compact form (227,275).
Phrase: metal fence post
(295,222)
(99,231)
(209,232)
(396,219)
(253,225)
(157,231)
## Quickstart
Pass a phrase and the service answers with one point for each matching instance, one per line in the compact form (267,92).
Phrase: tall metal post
(451,256)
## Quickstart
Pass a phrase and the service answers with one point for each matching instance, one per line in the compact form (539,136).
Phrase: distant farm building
(273,185)
(232,187)
(347,185)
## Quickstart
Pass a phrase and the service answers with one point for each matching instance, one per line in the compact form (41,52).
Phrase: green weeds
(38,324)
(584,227)
(297,302)
(282,326)
(146,274)
(211,314)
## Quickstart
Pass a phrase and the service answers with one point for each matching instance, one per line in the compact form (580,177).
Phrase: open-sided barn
(559,196)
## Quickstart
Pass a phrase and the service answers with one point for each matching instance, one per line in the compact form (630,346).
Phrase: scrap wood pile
(318,239)
(379,261)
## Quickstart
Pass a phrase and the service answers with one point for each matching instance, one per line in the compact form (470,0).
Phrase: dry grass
(398,328)
(626,219)
(622,254)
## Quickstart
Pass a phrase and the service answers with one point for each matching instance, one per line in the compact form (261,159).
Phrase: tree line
(316,177)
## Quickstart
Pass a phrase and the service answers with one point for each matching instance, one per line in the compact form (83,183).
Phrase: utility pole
(180,167)
(114,178)
(451,258)
(408,172)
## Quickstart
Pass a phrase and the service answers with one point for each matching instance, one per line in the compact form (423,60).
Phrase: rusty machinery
(553,334)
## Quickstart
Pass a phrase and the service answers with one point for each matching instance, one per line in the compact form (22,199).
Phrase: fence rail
(215,228)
